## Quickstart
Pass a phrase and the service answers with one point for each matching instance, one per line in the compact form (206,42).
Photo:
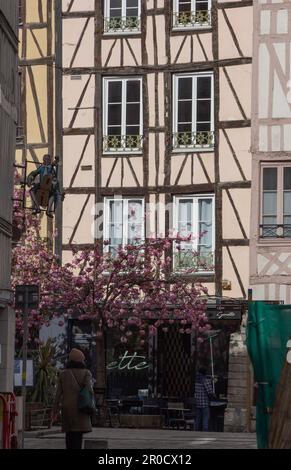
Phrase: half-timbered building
(270,258)
(36,127)
(155,138)
(8,123)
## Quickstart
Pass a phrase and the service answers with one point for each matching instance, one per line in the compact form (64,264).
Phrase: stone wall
(236,415)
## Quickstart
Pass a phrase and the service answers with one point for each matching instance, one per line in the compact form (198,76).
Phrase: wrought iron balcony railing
(122,24)
(275,231)
(122,143)
(192,19)
(203,262)
(193,140)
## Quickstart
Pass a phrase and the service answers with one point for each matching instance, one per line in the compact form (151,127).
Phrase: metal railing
(184,260)
(275,231)
(122,24)
(194,19)
(122,143)
(193,140)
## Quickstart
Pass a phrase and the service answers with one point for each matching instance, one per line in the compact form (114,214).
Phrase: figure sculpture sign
(44,186)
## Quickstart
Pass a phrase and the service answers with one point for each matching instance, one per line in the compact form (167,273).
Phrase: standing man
(203,395)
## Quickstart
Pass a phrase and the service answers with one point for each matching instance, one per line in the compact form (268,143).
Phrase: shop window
(122,115)
(193,112)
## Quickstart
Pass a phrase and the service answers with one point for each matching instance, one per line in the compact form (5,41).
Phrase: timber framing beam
(234,124)
(78,14)
(8,31)
(105,191)
(235,4)
(236,242)
(35,25)
(5,228)
(42,61)
(145,69)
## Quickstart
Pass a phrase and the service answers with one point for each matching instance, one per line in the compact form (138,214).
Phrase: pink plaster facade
(156,53)
(160,173)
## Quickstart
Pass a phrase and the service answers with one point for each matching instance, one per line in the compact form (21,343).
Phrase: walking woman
(71,381)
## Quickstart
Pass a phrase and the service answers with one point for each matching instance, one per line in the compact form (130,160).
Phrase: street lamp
(26,297)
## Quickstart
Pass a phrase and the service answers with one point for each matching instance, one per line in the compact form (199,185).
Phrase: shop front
(164,366)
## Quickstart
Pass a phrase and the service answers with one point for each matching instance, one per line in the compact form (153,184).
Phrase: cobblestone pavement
(150,439)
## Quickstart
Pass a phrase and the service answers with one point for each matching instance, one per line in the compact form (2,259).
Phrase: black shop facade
(165,366)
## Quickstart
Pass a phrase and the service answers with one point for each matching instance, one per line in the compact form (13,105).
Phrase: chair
(113,413)
(151,406)
(175,414)
(190,416)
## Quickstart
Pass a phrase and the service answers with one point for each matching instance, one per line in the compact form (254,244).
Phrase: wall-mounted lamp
(226,285)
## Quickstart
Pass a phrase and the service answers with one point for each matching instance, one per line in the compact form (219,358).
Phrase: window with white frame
(194,221)
(193,111)
(191,14)
(123,222)
(276,201)
(122,16)
(122,115)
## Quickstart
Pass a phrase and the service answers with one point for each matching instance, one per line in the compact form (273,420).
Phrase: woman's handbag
(86,402)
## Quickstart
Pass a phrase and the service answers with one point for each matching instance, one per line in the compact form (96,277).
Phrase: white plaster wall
(265,22)
(281,107)
(258,292)
(263,138)
(263,81)
(282,22)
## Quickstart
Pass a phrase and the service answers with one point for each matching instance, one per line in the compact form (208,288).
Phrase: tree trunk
(101,378)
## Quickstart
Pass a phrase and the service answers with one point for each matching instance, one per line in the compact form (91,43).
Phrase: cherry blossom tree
(132,288)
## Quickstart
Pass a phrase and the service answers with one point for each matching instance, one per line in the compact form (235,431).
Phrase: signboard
(18,373)
(224,312)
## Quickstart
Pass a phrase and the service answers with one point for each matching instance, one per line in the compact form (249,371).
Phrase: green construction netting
(268,330)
